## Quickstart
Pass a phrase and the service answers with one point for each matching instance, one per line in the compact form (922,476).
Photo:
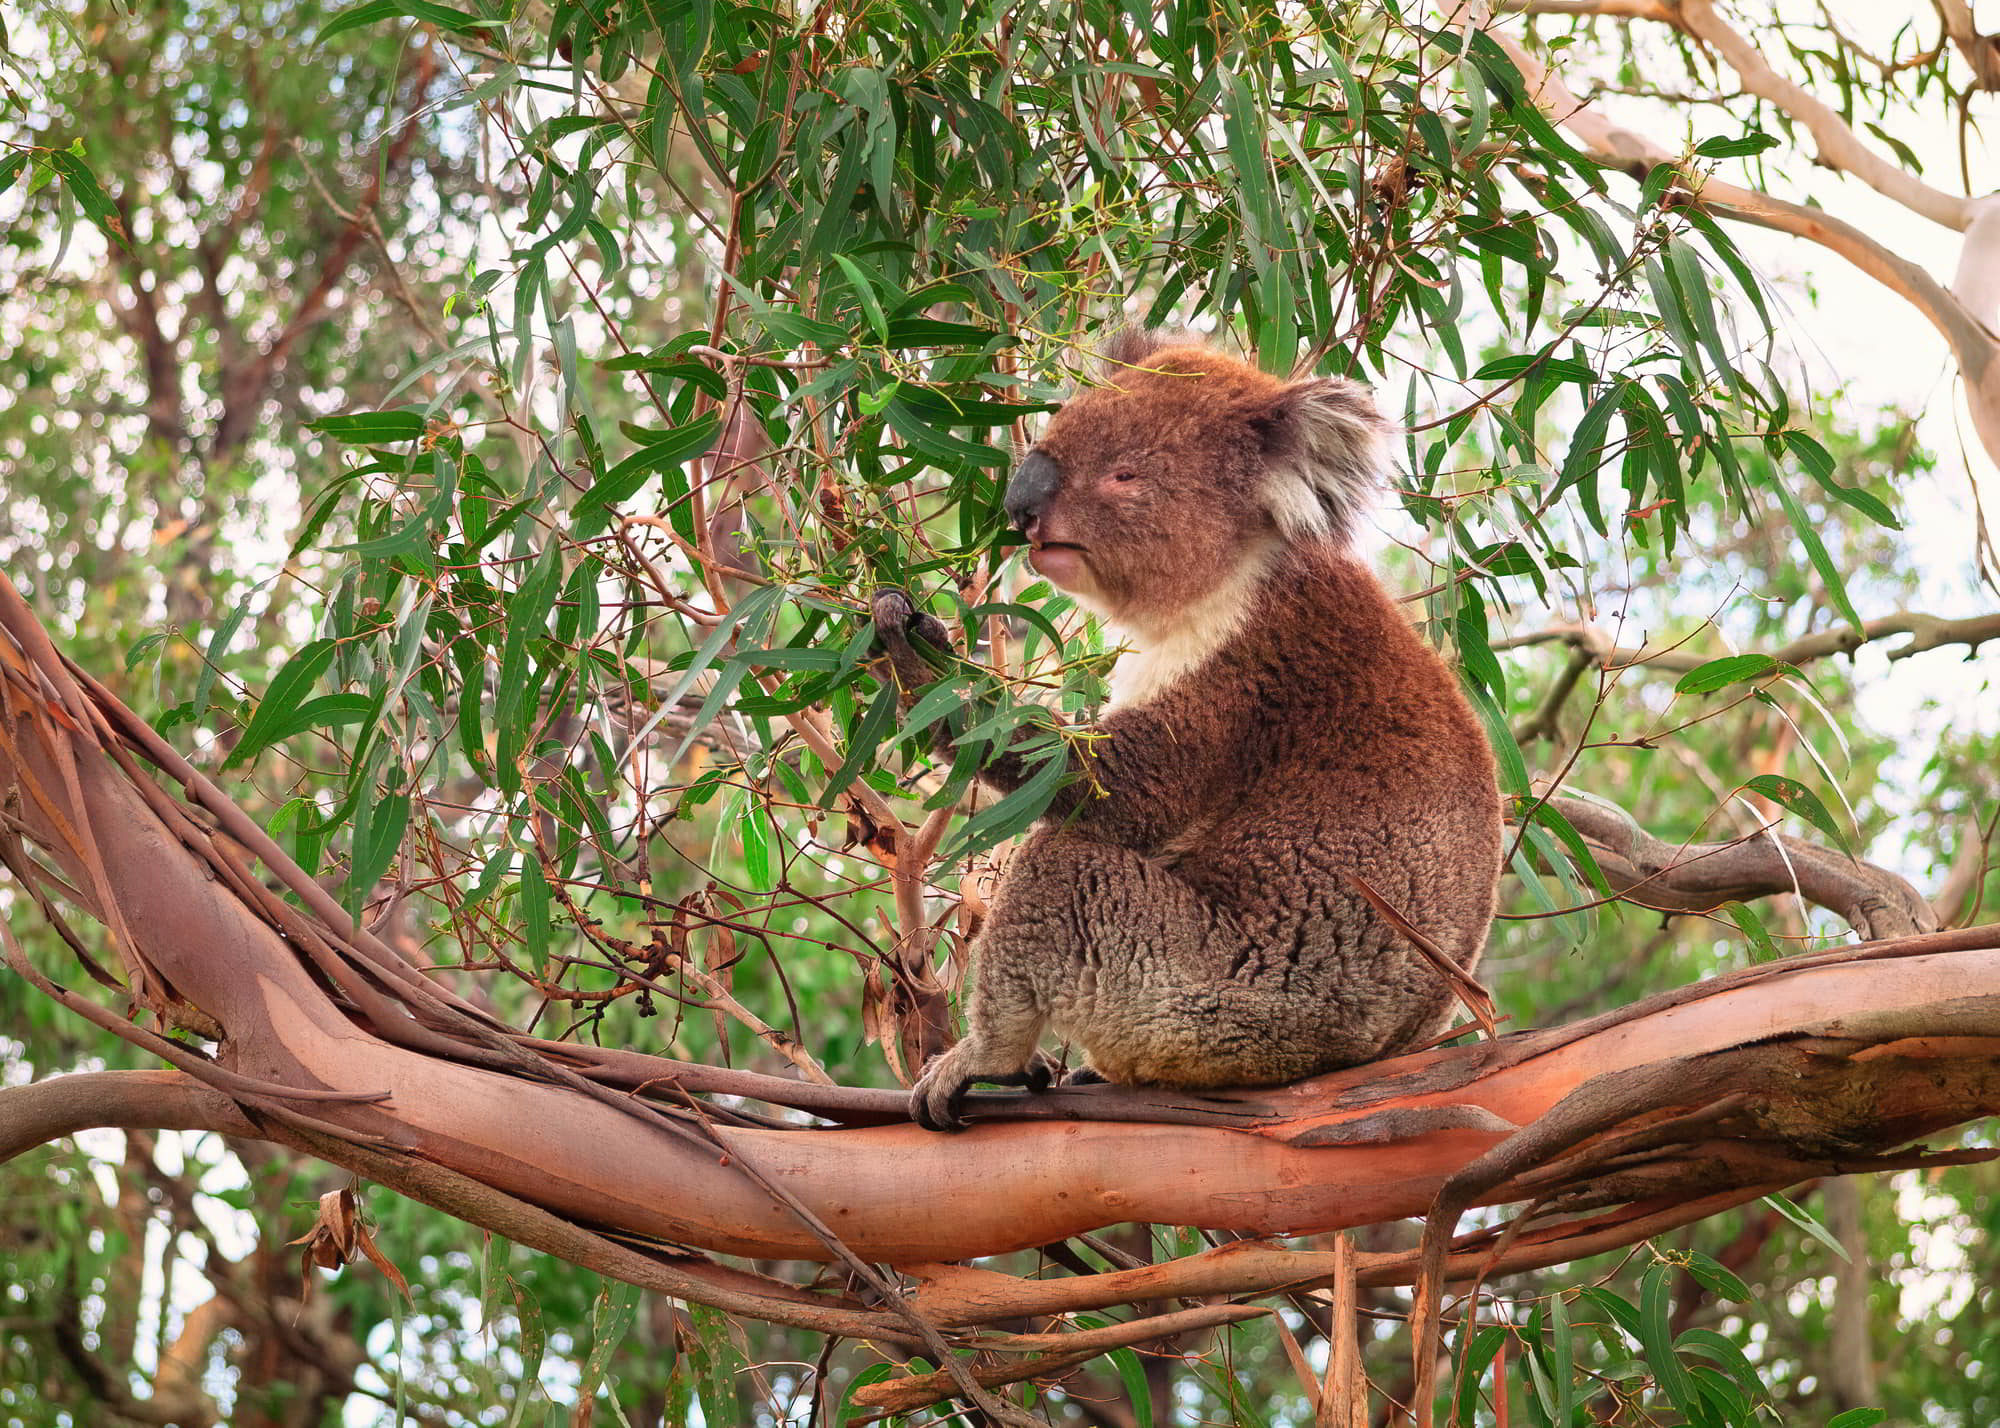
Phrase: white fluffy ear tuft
(1328,450)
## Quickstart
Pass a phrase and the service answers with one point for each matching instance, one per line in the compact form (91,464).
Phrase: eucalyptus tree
(598,891)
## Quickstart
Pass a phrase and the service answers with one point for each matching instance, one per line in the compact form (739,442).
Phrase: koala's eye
(1124,476)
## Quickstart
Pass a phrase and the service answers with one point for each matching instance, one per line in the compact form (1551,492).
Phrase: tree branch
(1839,146)
(1965,327)
(1982,52)
(1700,877)
(1610,1130)
(1926,632)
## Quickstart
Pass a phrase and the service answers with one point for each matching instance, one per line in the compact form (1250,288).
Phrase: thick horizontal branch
(42,1111)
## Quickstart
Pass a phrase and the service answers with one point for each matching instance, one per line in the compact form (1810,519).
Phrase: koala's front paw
(940,1091)
(902,627)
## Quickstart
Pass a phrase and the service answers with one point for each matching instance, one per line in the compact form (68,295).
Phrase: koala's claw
(891,609)
(936,1099)
(897,618)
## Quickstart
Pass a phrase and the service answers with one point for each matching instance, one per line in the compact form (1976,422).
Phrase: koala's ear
(1326,451)
(1134,346)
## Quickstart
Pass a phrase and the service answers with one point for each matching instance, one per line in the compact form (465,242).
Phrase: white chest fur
(1160,657)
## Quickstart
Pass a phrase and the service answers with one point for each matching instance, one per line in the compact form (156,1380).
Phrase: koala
(1186,913)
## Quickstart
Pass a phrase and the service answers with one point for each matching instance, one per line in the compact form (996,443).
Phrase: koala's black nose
(1035,481)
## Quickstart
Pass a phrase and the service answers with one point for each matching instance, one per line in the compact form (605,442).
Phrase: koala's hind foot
(936,1098)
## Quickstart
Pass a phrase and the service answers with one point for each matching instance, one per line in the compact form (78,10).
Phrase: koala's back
(1325,743)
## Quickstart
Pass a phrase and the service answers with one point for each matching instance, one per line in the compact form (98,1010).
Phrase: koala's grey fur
(1282,732)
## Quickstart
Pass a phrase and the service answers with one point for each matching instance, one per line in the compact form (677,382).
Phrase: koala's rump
(1258,961)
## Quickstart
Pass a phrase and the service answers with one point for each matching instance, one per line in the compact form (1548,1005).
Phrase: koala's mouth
(1064,562)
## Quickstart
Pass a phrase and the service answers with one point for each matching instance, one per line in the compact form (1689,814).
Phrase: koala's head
(1146,495)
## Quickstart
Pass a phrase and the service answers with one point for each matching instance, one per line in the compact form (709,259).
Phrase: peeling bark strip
(327,1041)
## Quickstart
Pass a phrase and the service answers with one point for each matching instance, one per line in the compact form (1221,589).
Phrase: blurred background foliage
(476,434)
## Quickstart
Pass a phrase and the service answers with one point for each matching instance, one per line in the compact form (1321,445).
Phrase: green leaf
(1554,369)
(142,649)
(81,184)
(662,449)
(756,847)
(1805,1220)
(287,691)
(717,1364)
(922,433)
(1138,1392)
(218,647)
(874,1373)
(934,332)
(533,1341)
(936,702)
(1731,669)
(864,294)
(375,11)
(1547,815)
(1858,1418)
(1655,1337)
(1715,1278)
(378,833)
(513,705)
(536,916)
(796,330)
(325,712)
(1473,1359)
(1562,1353)
(1816,552)
(867,735)
(952,408)
(1711,1345)
(747,615)
(611,1315)
(1819,465)
(1017,810)
(372,428)
(1794,797)
(1752,143)
(1690,279)
(1753,928)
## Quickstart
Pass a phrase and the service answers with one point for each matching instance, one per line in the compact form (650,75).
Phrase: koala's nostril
(1036,480)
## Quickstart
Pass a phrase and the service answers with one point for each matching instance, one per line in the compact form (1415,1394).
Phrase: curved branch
(1839,146)
(1966,330)
(1700,877)
(1982,52)
(42,1111)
